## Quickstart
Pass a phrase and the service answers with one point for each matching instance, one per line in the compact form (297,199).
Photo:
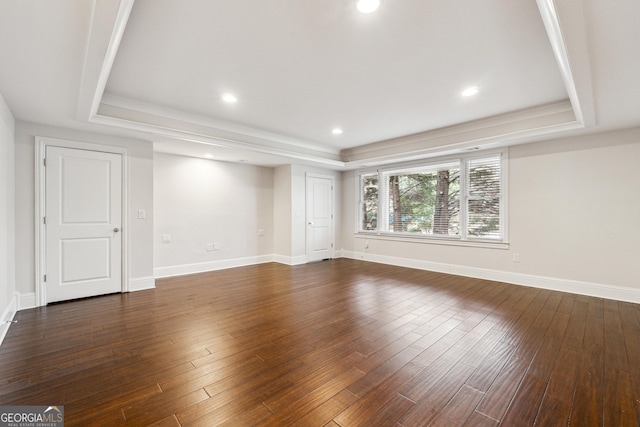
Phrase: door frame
(40,187)
(307,210)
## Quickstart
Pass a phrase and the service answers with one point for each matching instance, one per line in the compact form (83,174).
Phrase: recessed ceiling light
(368,6)
(336,131)
(470,91)
(229,97)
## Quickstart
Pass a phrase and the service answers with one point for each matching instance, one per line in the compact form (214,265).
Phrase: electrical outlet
(516,257)
(209,246)
(166,238)
(260,231)
(142,214)
(216,246)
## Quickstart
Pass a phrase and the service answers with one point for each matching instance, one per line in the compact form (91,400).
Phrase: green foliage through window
(369,185)
(425,203)
(459,198)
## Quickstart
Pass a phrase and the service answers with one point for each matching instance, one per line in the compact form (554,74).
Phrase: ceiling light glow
(368,6)
(336,131)
(228,97)
(470,91)
(209,156)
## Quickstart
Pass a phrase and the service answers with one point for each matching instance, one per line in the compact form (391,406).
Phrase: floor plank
(340,343)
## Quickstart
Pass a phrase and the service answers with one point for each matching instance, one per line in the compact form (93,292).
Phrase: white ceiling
(156,69)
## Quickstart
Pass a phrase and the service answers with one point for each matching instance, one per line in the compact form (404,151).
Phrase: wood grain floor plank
(389,413)
(476,419)
(481,350)
(337,343)
(160,406)
(374,377)
(618,399)
(427,408)
(170,421)
(423,383)
(325,412)
(490,367)
(498,398)
(295,409)
(359,413)
(523,409)
(459,409)
(556,407)
(251,417)
(233,400)
(588,396)
(305,385)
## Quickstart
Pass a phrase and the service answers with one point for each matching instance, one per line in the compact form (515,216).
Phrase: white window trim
(440,240)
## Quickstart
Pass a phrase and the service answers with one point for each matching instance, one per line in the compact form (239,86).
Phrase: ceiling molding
(492,142)
(505,128)
(192,134)
(108,26)
(176,120)
(575,68)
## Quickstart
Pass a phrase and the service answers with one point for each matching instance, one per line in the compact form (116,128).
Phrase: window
(424,201)
(483,198)
(369,190)
(459,198)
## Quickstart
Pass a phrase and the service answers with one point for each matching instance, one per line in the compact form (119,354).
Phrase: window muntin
(457,199)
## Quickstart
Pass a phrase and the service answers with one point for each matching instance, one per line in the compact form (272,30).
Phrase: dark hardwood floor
(337,343)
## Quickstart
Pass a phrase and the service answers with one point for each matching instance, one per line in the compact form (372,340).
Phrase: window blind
(483,197)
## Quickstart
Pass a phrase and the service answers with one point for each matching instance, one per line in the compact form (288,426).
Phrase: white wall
(573,209)
(282,213)
(201,201)
(8,300)
(140,197)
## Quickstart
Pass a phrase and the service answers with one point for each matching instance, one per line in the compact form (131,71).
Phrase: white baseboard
(289,260)
(564,285)
(181,270)
(141,283)
(27,300)
(7,316)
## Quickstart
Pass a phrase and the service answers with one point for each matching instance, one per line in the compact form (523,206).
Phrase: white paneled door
(320,229)
(83,217)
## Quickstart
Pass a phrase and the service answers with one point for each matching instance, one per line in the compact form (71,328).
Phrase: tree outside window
(429,200)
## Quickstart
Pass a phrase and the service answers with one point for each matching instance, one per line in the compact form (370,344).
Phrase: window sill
(432,240)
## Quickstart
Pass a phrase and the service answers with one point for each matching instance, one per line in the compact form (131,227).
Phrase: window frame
(463,239)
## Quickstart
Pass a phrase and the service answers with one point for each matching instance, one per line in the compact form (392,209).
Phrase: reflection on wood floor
(337,343)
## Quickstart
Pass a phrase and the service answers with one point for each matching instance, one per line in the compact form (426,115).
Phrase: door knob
(310,223)
(115,230)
